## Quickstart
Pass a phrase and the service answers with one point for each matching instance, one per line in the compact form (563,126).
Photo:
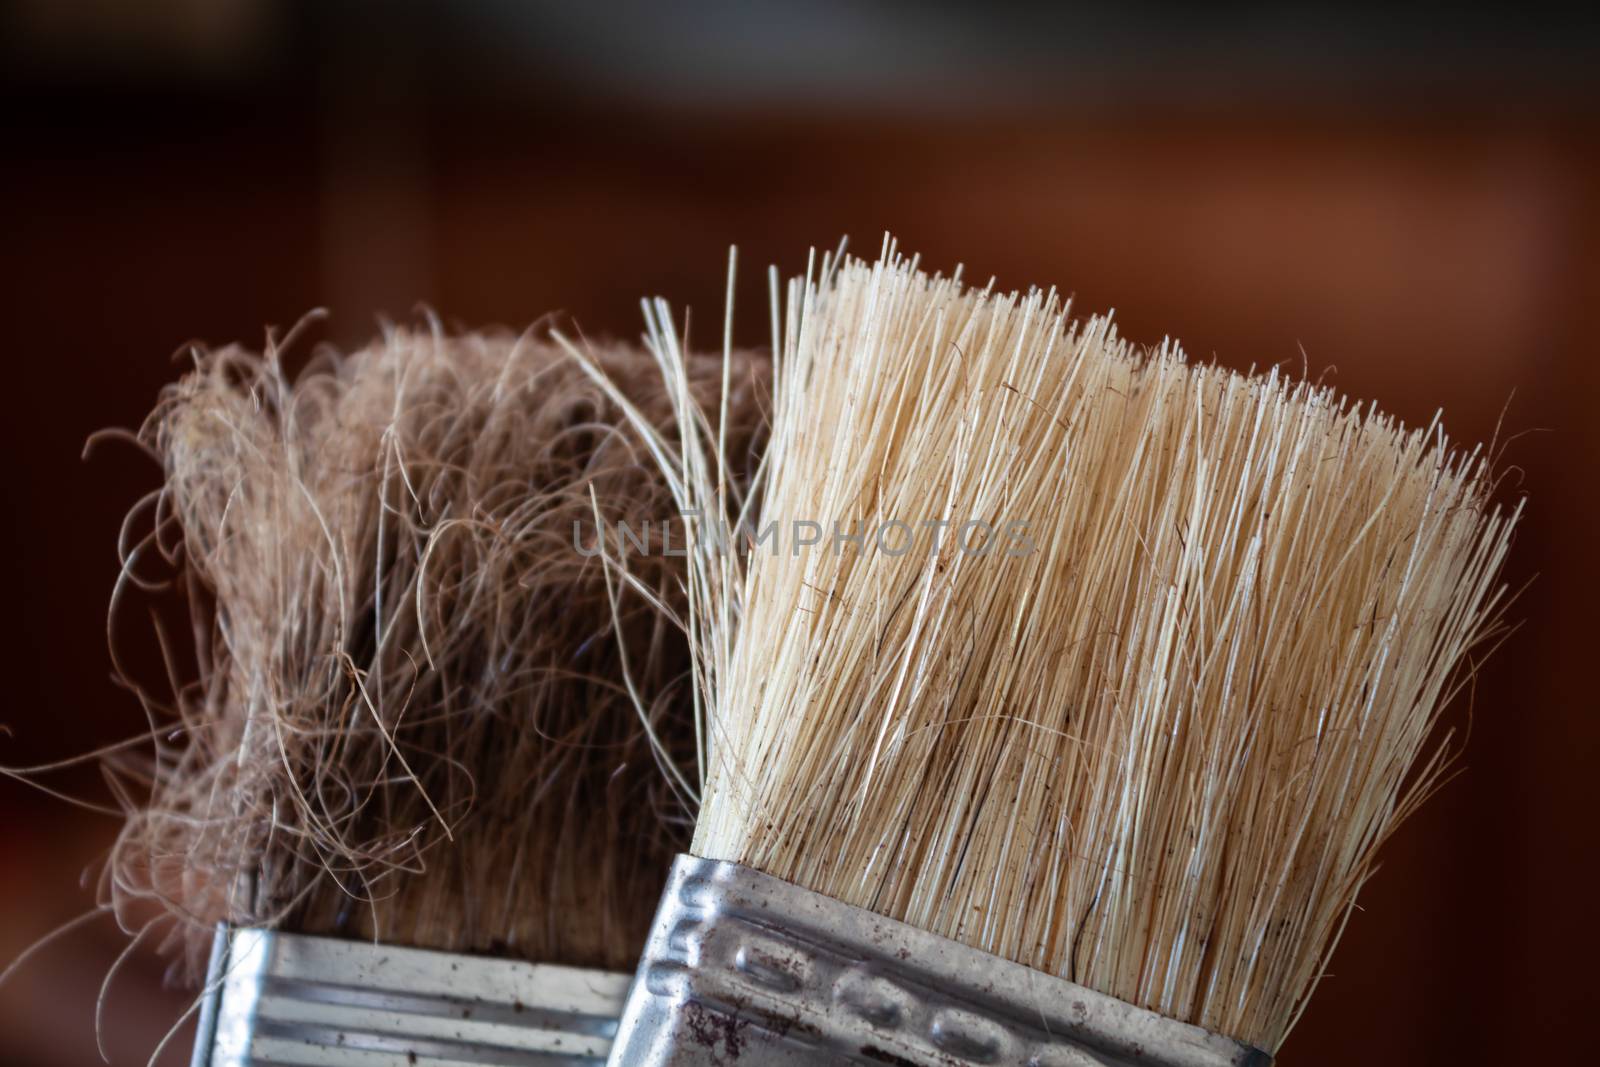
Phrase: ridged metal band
(286,999)
(745,968)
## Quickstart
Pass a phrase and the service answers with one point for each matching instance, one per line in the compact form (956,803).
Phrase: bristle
(410,721)
(1151,739)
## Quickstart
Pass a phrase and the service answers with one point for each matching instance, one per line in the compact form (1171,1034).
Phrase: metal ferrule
(286,999)
(745,968)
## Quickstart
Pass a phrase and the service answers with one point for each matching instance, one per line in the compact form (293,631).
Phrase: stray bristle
(412,721)
(1151,739)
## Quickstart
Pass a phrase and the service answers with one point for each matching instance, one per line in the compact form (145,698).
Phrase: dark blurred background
(1412,199)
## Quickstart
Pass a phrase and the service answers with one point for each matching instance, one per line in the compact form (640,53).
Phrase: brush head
(410,720)
(1137,663)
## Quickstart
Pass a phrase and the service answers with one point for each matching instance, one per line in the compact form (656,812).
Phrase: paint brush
(418,800)
(1058,695)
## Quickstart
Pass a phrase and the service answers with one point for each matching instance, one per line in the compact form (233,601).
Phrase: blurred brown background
(1413,200)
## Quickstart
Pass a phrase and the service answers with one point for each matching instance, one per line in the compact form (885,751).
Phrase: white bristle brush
(1073,734)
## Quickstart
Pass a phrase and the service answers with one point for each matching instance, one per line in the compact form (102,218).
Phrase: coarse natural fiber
(1152,738)
(412,719)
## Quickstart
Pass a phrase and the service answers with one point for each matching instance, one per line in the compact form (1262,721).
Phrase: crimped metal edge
(745,968)
(274,998)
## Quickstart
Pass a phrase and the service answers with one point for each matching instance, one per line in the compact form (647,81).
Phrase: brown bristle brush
(420,788)
(1057,698)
